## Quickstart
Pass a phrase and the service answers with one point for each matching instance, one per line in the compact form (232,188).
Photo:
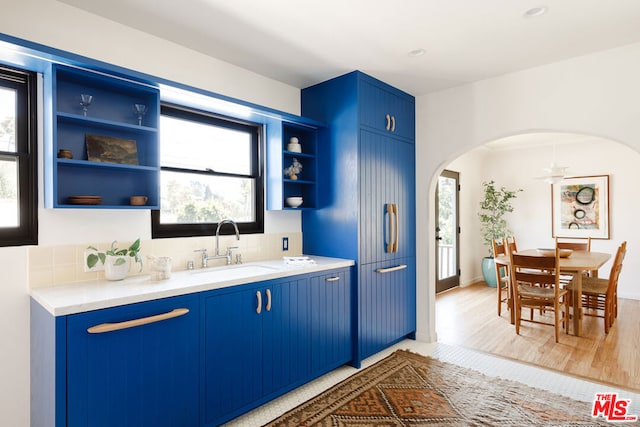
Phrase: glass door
(447,231)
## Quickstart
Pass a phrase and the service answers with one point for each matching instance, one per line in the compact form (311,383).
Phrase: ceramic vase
(116,267)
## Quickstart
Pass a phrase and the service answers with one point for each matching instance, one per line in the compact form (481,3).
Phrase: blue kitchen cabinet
(387,303)
(134,365)
(257,345)
(331,320)
(368,210)
(128,162)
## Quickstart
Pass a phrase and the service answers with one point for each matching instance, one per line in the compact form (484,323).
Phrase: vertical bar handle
(388,126)
(268,292)
(395,214)
(259,306)
(393,123)
(389,211)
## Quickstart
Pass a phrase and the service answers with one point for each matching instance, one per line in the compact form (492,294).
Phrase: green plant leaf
(119,261)
(92,260)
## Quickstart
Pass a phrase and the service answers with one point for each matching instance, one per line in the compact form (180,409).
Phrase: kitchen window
(211,170)
(18,158)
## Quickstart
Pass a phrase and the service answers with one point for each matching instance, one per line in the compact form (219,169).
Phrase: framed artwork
(111,150)
(580,207)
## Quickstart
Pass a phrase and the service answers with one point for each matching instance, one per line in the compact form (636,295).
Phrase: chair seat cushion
(529,291)
(593,286)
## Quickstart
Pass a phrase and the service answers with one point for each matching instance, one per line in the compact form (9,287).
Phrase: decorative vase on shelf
(116,267)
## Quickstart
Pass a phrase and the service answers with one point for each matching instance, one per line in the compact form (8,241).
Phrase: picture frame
(580,207)
(108,149)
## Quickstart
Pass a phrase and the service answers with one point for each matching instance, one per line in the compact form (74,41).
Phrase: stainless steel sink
(235,271)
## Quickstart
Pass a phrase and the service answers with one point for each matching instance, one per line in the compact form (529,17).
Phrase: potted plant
(495,203)
(116,261)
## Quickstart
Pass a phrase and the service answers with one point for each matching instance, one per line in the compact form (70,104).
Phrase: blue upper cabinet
(386,109)
(102,147)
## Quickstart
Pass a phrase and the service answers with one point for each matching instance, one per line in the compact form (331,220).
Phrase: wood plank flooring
(468,317)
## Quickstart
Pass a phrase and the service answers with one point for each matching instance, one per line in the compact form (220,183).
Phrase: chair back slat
(576,245)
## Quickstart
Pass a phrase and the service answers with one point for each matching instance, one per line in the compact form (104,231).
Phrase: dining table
(576,263)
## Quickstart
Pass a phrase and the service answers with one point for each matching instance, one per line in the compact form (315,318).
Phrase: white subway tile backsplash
(52,265)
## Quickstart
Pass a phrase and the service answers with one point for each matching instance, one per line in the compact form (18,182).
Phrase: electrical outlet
(285,244)
(99,266)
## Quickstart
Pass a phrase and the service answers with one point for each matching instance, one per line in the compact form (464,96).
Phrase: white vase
(116,267)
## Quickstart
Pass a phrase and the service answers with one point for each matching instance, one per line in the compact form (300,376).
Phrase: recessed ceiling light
(535,11)
(416,52)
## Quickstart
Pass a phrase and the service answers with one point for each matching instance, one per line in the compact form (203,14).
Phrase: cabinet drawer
(138,368)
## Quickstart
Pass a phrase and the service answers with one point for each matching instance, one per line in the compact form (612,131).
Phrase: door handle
(393,123)
(390,242)
(268,292)
(332,279)
(109,327)
(259,306)
(388,126)
(395,214)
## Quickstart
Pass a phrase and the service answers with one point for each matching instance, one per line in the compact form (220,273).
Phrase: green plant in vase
(116,261)
(494,205)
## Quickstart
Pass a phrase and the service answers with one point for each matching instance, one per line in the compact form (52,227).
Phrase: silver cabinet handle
(259,306)
(388,126)
(393,123)
(332,279)
(109,327)
(268,292)
(390,269)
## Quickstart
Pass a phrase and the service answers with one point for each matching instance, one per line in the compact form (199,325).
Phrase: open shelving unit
(110,115)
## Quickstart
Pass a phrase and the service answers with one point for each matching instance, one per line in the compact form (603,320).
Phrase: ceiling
(303,42)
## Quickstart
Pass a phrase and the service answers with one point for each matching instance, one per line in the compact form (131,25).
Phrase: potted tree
(495,203)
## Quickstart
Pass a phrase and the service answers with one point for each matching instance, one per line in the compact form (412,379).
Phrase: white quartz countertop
(79,297)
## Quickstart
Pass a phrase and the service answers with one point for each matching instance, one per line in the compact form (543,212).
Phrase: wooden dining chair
(599,295)
(502,274)
(536,285)
(576,244)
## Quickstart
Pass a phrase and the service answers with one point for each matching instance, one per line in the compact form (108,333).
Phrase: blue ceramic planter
(489,272)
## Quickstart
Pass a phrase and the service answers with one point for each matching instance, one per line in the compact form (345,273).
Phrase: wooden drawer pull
(332,279)
(268,292)
(391,269)
(109,327)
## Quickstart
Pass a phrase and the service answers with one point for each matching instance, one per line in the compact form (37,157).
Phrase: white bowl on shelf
(294,148)
(293,202)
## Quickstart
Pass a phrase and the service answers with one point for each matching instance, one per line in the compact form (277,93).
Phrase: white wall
(517,167)
(61,26)
(591,95)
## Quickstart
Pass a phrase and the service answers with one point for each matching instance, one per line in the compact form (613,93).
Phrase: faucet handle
(204,257)
(230,248)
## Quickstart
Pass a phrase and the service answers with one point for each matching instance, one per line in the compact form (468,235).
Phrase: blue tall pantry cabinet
(366,206)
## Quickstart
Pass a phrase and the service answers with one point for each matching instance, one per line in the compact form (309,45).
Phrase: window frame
(159,230)
(25,83)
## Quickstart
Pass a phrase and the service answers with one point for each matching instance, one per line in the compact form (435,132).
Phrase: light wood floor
(468,317)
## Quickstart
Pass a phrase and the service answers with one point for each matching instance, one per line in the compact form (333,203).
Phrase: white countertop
(79,297)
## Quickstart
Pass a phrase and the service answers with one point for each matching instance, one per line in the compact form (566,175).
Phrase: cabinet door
(330,320)
(386,178)
(286,335)
(386,301)
(232,340)
(386,109)
(143,375)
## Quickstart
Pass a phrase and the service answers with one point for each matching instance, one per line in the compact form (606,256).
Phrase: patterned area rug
(407,389)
